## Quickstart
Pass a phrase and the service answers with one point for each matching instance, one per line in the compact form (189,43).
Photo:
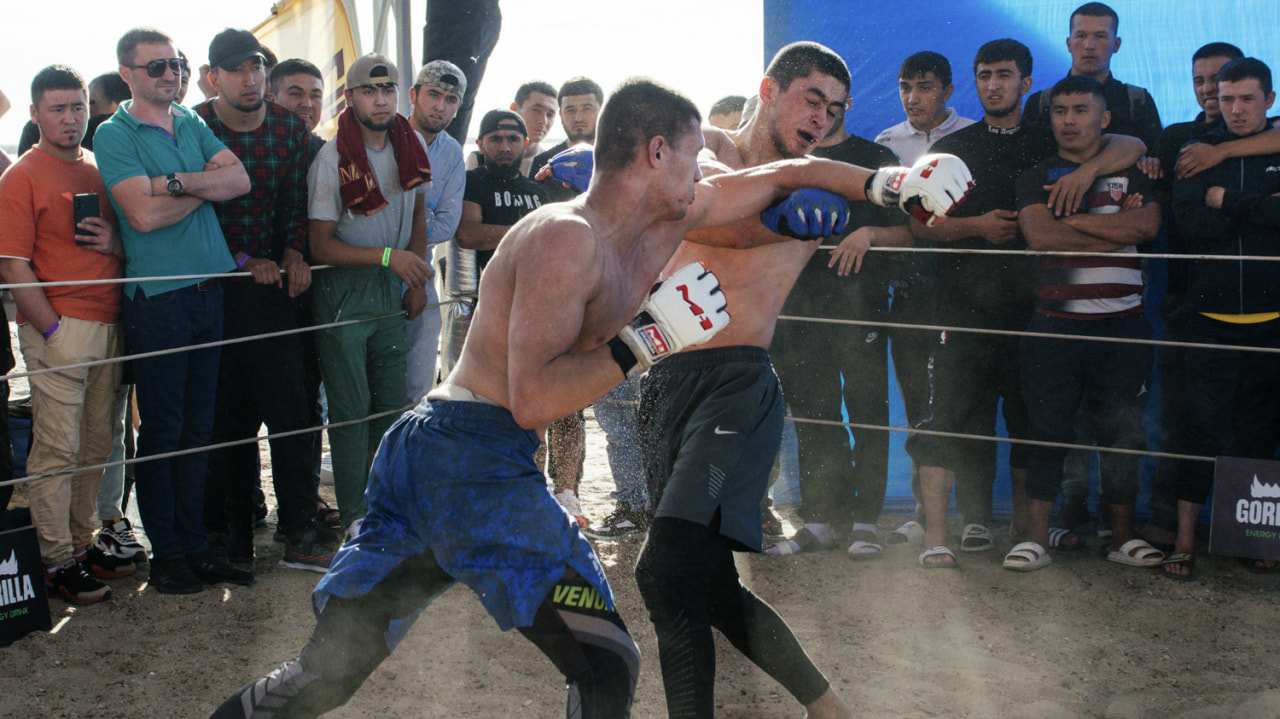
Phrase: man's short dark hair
(113,86)
(54,77)
(269,59)
(1004,50)
(539,86)
(1244,68)
(638,111)
(1218,49)
(800,59)
(580,86)
(922,63)
(1078,85)
(292,66)
(728,105)
(135,37)
(1096,9)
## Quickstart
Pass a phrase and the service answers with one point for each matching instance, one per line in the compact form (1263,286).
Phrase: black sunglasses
(156,68)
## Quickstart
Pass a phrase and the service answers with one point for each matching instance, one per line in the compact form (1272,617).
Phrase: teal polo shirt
(125,148)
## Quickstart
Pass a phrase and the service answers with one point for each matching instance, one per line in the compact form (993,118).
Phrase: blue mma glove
(807,214)
(573,167)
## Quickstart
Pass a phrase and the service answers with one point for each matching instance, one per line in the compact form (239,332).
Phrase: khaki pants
(72,416)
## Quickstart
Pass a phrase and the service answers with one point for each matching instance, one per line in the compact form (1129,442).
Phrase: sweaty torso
(755,282)
(606,278)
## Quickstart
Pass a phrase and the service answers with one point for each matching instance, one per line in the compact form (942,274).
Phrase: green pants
(363,368)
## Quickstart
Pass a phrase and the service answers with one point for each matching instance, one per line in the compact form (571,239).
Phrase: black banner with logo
(24,603)
(1246,508)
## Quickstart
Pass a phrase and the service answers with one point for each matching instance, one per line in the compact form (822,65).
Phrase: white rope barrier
(1023,333)
(1067,253)
(219,343)
(208,448)
(1009,440)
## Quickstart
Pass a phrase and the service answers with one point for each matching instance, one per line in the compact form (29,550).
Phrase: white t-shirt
(390,226)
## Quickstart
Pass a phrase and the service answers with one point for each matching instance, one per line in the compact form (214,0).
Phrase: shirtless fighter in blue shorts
(454,494)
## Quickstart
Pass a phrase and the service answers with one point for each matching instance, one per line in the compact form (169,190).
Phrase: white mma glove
(684,310)
(928,191)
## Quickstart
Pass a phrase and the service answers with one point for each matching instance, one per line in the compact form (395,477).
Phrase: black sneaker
(623,522)
(75,585)
(307,553)
(106,566)
(212,570)
(173,576)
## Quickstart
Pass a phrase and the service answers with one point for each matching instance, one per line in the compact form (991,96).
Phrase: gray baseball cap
(444,75)
(372,69)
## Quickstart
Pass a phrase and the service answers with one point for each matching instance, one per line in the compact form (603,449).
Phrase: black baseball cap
(232,47)
(495,120)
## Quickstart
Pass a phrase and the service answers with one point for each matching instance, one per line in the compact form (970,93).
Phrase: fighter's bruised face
(503,149)
(1078,120)
(1000,87)
(578,115)
(802,114)
(373,105)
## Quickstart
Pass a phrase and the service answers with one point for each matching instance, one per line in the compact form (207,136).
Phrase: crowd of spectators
(213,214)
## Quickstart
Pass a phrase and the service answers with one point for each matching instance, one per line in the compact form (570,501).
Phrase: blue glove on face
(573,167)
(807,214)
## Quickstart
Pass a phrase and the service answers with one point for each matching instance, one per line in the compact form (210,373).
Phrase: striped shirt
(1087,287)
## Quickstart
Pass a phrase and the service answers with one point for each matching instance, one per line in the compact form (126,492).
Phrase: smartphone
(85,205)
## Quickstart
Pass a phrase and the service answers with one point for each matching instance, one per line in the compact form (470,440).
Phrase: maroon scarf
(357,185)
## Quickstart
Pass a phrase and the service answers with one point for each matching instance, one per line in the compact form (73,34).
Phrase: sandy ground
(1082,638)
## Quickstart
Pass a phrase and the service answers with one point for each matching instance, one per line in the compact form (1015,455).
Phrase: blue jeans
(616,415)
(175,406)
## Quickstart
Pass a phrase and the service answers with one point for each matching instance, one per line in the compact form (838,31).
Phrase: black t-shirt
(502,201)
(999,285)
(1088,287)
(819,290)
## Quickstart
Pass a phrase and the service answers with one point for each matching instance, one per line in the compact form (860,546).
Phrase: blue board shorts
(457,480)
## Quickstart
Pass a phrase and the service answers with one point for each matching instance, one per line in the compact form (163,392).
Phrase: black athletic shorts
(710,423)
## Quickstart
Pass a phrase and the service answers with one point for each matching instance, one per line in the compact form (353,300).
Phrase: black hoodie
(1247,225)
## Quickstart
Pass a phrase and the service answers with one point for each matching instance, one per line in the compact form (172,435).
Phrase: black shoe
(308,553)
(75,585)
(173,576)
(106,566)
(623,522)
(211,570)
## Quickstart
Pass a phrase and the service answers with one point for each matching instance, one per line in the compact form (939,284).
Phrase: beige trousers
(71,426)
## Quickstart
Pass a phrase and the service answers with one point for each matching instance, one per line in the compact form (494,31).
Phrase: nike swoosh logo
(723,431)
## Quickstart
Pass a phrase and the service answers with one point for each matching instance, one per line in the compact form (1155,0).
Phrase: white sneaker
(569,501)
(116,538)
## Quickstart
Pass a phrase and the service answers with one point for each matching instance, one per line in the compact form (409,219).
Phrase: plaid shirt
(272,216)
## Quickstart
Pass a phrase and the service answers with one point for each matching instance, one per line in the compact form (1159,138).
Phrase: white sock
(821,530)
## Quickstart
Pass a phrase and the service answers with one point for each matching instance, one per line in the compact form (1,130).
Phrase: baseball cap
(494,120)
(372,69)
(444,75)
(231,47)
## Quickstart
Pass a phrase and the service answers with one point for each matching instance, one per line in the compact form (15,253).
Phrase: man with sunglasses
(162,168)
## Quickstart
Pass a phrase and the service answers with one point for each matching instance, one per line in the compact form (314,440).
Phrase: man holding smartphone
(57,228)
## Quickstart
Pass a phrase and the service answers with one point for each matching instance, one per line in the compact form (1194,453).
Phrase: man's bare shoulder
(720,147)
(556,233)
